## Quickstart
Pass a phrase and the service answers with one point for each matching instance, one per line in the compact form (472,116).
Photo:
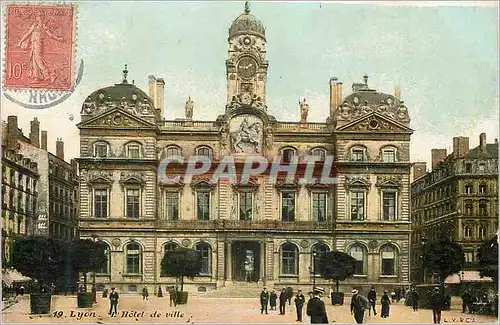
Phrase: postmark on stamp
(39,53)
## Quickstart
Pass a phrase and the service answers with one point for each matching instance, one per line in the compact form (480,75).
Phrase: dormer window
(133,150)
(389,155)
(319,154)
(204,151)
(101,149)
(287,155)
(173,151)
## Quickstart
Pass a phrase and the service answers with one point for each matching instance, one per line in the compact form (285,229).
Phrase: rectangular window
(468,189)
(133,151)
(388,263)
(388,205)
(172,205)
(319,206)
(288,262)
(101,150)
(482,189)
(357,205)
(133,262)
(246,205)
(358,155)
(389,156)
(468,168)
(203,205)
(132,203)
(101,203)
(482,167)
(469,257)
(287,206)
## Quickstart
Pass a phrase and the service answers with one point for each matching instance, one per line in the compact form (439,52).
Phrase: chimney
(35,133)
(397,92)
(438,156)
(160,88)
(333,96)
(460,146)
(60,148)
(152,88)
(12,132)
(339,93)
(482,141)
(44,140)
(419,169)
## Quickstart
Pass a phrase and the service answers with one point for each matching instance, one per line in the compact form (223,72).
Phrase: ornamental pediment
(375,123)
(132,178)
(357,181)
(116,118)
(97,176)
(389,181)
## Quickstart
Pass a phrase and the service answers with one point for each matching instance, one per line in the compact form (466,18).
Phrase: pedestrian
(436,304)
(145,293)
(160,292)
(113,301)
(264,299)
(414,299)
(22,290)
(358,306)
(465,300)
(316,307)
(385,302)
(299,304)
(289,295)
(94,293)
(372,300)
(283,298)
(272,299)
(393,295)
(173,297)
(105,293)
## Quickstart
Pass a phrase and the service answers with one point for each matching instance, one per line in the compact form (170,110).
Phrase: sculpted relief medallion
(246,134)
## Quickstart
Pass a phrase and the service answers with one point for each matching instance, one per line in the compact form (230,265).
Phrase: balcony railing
(239,225)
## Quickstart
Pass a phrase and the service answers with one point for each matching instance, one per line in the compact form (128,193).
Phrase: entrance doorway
(246,261)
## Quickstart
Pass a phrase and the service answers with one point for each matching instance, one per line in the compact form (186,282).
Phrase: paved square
(214,310)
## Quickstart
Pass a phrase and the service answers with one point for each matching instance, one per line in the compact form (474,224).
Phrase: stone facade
(458,198)
(256,232)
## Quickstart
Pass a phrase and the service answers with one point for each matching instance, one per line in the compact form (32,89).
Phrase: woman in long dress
(385,302)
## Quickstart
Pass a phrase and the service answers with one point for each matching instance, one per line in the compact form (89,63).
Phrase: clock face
(247,67)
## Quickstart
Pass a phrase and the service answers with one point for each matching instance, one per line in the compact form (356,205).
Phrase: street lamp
(314,270)
(95,238)
(424,241)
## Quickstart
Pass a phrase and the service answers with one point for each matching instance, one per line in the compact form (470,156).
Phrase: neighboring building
(258,232)
(458,199)
(54,213)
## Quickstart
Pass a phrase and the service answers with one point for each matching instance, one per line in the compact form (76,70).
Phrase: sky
(444,56)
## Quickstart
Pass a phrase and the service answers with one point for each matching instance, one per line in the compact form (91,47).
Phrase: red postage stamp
(39,47)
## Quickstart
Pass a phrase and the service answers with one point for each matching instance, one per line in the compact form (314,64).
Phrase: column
(262,263)
(229,274)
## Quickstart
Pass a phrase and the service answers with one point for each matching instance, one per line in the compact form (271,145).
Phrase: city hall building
(256,231)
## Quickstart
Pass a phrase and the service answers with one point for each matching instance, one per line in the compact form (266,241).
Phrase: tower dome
(247,24)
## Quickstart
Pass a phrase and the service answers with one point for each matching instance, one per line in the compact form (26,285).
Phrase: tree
(40,258)
(487,257)
(336,266)
(87,256)
(181,262)
(443,257)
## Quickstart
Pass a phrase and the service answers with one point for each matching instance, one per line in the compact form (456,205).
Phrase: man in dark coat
(465,300)
(264,299)
(283,299)
(358,305)
(436,304)
(414,299)
(316,308)
(272,299)
(372,299)
(113,301)
(299,304)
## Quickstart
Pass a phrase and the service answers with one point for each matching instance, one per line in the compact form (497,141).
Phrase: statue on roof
(189,108)
(304,110)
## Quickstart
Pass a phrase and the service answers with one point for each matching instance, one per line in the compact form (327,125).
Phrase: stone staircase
(236,290)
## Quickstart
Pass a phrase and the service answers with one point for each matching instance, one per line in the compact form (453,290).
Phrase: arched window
(133,150)
(483,189)
(482,232)
(287,155)
(468,231)
(205,253)
(317,250)
(388,263)
(389,154)
(319,154)
(483,207)
(105,268)
(101,149)
(359,253)
(170,247)
(173,151)
(289,259)
(133,259)
(358,153)
(204,151)
(468,189)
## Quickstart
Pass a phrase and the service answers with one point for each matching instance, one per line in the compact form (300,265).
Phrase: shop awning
(11,276)
(467,276)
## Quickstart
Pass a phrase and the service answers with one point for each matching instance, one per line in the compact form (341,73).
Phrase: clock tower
(246,66)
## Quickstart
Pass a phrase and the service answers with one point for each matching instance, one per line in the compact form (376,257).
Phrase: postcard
(249,162)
